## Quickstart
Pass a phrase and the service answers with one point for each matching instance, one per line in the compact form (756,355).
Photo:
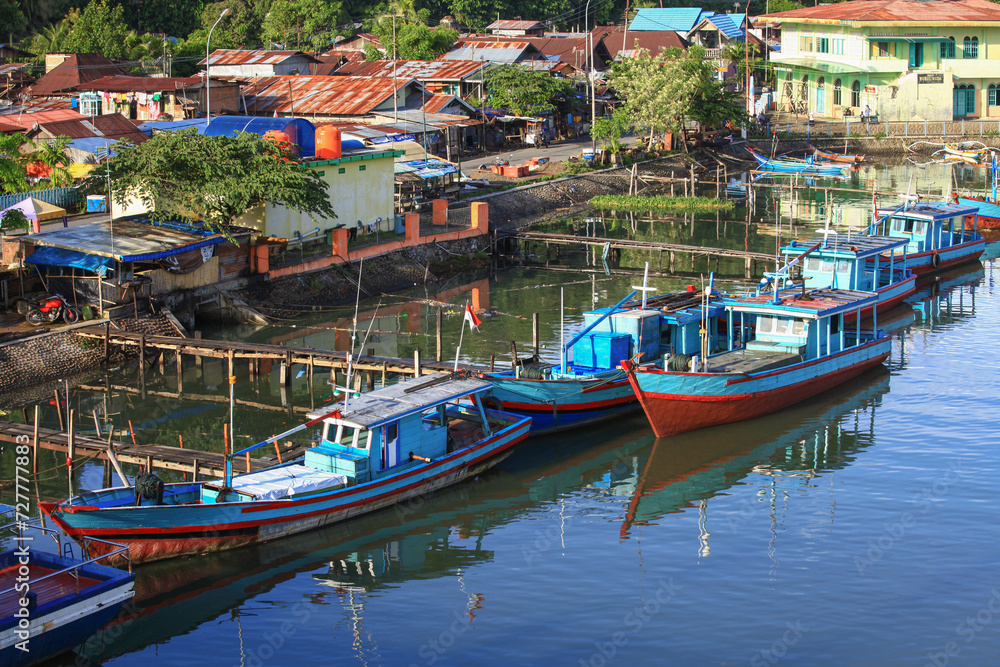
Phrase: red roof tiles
(910,11)
(323,95)
(76,69)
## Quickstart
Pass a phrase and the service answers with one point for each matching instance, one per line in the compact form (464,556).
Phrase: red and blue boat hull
(559,404)
(166,531)
(939,260)
(676,402)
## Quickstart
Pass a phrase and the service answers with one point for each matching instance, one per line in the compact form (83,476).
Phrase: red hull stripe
(571,407)
(233,528)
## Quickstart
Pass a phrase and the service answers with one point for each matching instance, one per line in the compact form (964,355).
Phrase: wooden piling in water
(534,335)
(440,342)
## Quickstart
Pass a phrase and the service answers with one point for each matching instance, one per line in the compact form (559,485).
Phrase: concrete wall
(363,192)
(905,99)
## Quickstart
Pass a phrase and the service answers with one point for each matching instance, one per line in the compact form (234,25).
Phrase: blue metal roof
(44,256)
(300,132)
(730,25)
(173,125)
(93,144)
(681,19)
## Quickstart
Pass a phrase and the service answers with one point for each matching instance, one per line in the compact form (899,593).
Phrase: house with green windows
(905,59)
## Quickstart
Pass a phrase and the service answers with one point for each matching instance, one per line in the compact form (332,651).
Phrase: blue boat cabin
(397,425)
(929,226)
(843,262)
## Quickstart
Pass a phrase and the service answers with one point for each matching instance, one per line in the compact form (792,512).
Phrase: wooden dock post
(180,372)
(385,368)
(97,425)
(142,366)
(493,360)
(534,334)
(513,356)
(107,338)
(197,357)
(416,363)
(440,318)
(62,422)
(34,442)
(230,364)
(194,474)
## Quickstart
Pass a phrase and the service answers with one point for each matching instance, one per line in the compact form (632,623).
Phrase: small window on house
(822,45)
(362,168)
(970,47)
(948,48)
(342,170)
(806,43)
(856,93)
(882,49)
(838,46)
(837,92)
(994,101)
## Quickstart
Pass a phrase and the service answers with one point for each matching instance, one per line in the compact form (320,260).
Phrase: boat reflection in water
(637,478)
(825,433)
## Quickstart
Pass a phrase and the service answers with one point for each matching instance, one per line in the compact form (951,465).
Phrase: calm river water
(856,528)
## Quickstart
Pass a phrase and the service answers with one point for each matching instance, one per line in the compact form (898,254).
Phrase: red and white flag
(471,318)
(875,205)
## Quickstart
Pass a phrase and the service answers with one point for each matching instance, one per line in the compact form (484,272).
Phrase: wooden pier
(197,462)
(260,357)
(750,258)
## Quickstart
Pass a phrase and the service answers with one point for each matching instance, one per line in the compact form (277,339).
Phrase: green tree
(12,19)
(53,155)
(526,92)
(414,41)
(212,180)
(52,38)
(610,129)
(100,29)
(302,23)
(240,29)
(477,14)
(12,162)
(13,220)
(177,18)
(661,92)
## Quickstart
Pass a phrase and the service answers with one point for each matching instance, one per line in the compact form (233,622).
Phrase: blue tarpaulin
(47,256)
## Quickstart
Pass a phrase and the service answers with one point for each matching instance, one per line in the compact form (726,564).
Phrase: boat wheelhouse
(802,346)
(384,447)
(590,385)
(842,262)
(936,233)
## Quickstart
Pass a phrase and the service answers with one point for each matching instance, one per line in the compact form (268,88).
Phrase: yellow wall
(356,195)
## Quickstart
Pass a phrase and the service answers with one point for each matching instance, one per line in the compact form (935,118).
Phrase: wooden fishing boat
(791,165)
(938,234)
(386,446)
(69,598)
(834,157)
(592,387)
(988,216)
(843,262)
(802,347)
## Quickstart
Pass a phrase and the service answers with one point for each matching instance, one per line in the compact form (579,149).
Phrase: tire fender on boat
(935,259)
(492,403)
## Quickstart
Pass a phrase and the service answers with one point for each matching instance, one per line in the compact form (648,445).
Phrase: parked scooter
(47,310)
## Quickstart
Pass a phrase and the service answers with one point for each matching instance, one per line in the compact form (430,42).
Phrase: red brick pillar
(439,215)
(340,243)
(413,227)
(481,216)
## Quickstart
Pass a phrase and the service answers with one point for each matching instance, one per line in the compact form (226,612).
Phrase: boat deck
(47,590)
(751,361)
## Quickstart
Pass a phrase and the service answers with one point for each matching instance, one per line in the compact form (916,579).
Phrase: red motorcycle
(48,310)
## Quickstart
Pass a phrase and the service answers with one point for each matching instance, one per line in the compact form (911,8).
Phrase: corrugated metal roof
(324,95)
(132,240)
(76,69)
(111,126)
(730,25)
(7,68)
(143,83)
(422,70)
(506,24)
(681,19)
(251,57)
(912,13)
(28,120)
(496,51)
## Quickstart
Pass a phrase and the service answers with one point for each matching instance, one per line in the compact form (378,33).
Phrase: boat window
(814,263)
(835,324)
(765,325)
(798,327)
(843,266)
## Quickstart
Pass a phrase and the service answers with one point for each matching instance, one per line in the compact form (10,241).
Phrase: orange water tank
(327,142)
(277,136)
